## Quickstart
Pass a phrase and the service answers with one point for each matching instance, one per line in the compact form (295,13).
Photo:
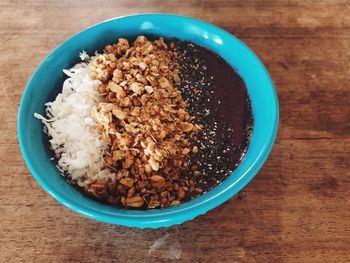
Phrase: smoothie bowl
(147,120)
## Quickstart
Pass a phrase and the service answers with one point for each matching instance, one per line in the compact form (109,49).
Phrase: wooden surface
(297,209)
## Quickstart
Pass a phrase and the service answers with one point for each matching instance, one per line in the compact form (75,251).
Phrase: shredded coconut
(73,134)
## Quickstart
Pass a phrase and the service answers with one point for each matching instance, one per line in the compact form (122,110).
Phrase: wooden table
(297,209)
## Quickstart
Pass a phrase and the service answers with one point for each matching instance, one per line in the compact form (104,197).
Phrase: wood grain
(297,208)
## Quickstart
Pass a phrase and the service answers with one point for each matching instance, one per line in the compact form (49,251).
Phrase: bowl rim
(169,216)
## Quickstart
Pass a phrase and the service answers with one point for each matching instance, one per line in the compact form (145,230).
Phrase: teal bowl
(44,86)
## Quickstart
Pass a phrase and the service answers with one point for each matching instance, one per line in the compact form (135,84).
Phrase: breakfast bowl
(44,86)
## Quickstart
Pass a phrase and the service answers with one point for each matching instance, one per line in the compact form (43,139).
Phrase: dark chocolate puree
(218,98)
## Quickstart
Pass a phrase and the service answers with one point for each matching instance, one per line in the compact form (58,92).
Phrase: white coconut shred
(73,134)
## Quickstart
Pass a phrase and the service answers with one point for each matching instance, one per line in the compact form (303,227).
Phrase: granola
(145,123)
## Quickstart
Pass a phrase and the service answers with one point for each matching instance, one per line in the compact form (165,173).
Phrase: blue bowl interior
(46,81)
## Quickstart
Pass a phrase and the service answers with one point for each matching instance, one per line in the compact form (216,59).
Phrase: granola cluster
(146,125)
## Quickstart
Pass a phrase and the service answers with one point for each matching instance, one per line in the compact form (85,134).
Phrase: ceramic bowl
(44,86)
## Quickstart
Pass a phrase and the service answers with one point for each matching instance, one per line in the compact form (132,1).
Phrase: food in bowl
(149,125)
